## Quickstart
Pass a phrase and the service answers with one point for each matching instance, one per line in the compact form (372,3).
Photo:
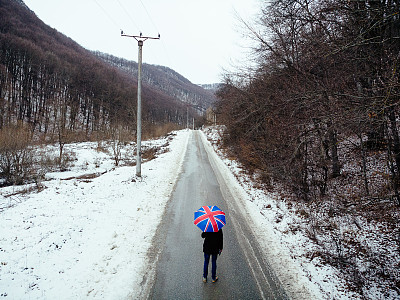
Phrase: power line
(129,16)
(151,20)
(134,23)
(118,27)
(166,53)
(110,18)
(155,26)
(105,12)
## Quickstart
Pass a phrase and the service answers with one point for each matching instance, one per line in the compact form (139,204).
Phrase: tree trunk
(364,165)
(394,179)
(334,153)
(396,140)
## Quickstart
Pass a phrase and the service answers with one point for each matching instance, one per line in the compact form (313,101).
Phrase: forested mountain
(166,80)
(56,86)
(318,116)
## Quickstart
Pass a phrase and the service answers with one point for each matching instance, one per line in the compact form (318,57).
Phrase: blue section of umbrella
(209,218)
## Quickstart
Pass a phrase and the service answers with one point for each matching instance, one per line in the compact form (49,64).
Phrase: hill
(56,86)
(167,81)
(317,121)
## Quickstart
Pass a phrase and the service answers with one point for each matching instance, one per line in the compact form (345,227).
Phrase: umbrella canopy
(209,218)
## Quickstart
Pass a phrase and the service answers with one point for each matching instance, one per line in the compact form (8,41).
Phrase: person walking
(212,246)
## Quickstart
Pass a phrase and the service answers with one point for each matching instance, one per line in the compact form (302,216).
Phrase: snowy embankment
(86,234)
(276,228)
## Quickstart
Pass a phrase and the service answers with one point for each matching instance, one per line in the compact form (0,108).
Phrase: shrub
(15,154)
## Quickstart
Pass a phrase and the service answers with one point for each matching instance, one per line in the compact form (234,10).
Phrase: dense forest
(326,71)
(318,114)
(52,84)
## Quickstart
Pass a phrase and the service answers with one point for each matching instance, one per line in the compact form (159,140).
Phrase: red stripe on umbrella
(210,216)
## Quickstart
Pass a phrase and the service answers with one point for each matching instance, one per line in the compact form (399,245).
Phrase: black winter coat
(213,242)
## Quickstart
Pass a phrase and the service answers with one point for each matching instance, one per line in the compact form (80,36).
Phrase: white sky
(199,38)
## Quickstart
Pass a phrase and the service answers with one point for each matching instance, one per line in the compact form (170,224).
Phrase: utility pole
(187,116)
(140,39)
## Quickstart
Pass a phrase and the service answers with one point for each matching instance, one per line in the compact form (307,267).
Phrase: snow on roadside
(276,227)
(85,237)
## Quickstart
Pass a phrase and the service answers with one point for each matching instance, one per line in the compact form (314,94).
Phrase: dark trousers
(213,265)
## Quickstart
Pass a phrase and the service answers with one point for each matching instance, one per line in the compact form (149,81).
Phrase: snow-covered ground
(87,233)
(287,233)
(275,227)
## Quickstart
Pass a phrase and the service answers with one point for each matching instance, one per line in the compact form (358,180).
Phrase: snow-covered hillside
(85,233)
(286,235)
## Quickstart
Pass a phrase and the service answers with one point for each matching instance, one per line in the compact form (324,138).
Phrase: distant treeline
(326,73)
(54,85)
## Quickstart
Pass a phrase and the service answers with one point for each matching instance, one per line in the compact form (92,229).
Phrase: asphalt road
(243,272)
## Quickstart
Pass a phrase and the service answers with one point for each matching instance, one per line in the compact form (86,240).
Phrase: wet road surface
(243,273)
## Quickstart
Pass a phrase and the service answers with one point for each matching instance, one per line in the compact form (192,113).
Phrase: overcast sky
(199,38)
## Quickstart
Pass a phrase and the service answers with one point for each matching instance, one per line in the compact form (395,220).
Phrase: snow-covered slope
(84,236)
(88,232)
(271,220)
(287,240)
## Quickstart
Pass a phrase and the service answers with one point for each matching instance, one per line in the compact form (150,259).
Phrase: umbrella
(209,218)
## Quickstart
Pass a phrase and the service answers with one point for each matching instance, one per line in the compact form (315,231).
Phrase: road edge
(153,253)
(240,197)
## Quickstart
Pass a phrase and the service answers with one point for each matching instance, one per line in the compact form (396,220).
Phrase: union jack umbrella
(209,218)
